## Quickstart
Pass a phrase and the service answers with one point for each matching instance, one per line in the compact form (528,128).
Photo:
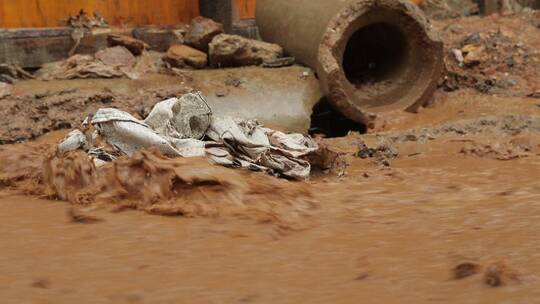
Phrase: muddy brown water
(377,235)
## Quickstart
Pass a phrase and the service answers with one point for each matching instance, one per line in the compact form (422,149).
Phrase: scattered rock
(458,55)
(473,38)
(116,56)
(515,148)
(146,63)
(330,159)
(182,56)
(201,33)
(473,54)
(78,217)
(499,274)
(222,92)
(383,153)
(232,81)
(497,57)
(465,269)
(232,50)
(135,46)
(522,143)
(41,283)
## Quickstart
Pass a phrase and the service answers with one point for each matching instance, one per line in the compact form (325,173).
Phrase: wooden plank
(246,8)
(49,13)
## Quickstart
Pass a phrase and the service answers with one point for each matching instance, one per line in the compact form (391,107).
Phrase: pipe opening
(375,53)
(326,121)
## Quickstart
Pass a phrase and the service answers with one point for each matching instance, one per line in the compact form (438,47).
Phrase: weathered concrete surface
(234,51)
(282,97)
(31,48)
(372,56)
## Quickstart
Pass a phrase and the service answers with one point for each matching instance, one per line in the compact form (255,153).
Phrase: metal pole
(219,10)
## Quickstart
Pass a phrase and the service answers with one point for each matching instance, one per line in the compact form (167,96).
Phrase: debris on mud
(383,154)
(330,159)
(156,184)
(515,148)
(497,125)
(437,9)
(465,269)
(83,20)
(499,274)
(185,127)
(80,67)
(494,55)
(77,216)
(41,283)
(37,114)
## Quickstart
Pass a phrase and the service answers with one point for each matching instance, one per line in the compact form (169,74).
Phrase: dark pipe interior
(330,123)
(374,53)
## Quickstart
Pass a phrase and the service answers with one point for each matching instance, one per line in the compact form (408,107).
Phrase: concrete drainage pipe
(371,56)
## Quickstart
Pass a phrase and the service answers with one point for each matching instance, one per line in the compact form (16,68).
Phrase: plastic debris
(185,127)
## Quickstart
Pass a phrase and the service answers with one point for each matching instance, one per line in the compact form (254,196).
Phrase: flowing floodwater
(451,200)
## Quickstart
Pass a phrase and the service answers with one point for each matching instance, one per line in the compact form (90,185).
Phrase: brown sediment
(437,226)
(277,97)
(153,183)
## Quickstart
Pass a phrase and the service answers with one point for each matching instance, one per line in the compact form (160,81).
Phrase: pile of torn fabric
(185,127)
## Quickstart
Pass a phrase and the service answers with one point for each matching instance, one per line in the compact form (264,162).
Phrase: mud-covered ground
(441,206)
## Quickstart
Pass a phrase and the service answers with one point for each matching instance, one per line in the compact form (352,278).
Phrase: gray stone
(116,56)
(201,33)
(233,50)
(182,56)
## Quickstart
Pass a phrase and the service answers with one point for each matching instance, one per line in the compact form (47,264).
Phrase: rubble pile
(206,43)
(201,45)
(125,57)
(494,55)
